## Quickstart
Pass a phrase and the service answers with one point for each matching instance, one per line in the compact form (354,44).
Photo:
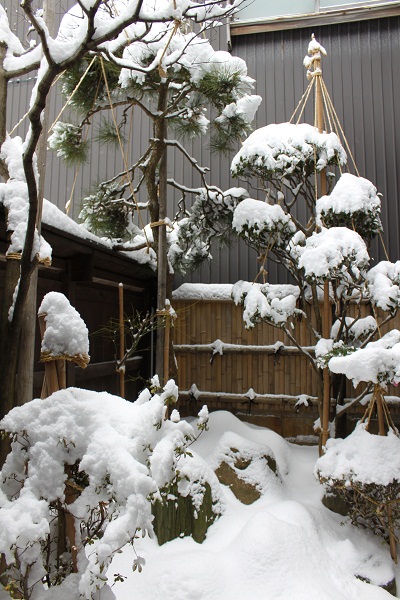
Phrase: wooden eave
(315,19)
(90,261)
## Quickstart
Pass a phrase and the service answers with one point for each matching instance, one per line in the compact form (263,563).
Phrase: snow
(331,253)
(349,195)
(356,329)
(66,334)
(265,302)
(266,222)
(201,291)
(286,545)
(384,285)
(284,147)
(7,37)
(362,457)
(378,362)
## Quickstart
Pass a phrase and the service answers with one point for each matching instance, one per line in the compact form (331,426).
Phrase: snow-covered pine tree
(174,76)
(330,246)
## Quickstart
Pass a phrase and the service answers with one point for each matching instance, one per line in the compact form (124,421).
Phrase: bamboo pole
(326,319)
(121,369)
(167,336)
(51,383)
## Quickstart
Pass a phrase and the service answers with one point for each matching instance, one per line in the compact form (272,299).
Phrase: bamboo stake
(51,384)
(121,369)
(326,325)
(379,410)
(392,539)
(167,340)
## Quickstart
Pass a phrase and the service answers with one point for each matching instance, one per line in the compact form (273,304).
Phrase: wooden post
(121,340)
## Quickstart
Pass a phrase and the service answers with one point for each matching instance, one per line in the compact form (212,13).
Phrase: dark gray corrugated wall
(362,73)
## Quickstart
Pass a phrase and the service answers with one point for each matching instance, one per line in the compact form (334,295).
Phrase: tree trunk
(28,331)
(3,103)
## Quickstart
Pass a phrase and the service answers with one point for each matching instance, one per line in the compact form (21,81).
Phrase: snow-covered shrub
(286,149)
(67,141)
(383,283)
(337,253)
(263,223)
(377,363)
(353,203)
(93,464)
(363,470)
(209,217)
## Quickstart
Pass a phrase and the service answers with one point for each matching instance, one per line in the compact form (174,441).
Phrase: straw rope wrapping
(82,360)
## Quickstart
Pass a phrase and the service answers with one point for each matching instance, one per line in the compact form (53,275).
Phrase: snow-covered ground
(285,546)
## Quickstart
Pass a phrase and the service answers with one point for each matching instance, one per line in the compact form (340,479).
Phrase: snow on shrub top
(357,330)
(285,147)
(336,253)
(384,285)
(361,457)
(265,221)
(353,203)
(66,334)
(378,362)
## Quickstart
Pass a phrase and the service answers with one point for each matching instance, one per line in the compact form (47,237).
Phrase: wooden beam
(314,19)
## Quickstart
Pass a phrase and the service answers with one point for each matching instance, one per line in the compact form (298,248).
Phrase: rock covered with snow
(66,335)
(285,148)
(248,468)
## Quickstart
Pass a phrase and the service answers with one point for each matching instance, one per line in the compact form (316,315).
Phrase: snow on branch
(274,304)
(336,253)
(383,283)
(378,362)
(264,223)
(353,203)
(283,149)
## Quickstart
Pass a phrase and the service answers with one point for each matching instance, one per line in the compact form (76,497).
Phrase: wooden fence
(258,374)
